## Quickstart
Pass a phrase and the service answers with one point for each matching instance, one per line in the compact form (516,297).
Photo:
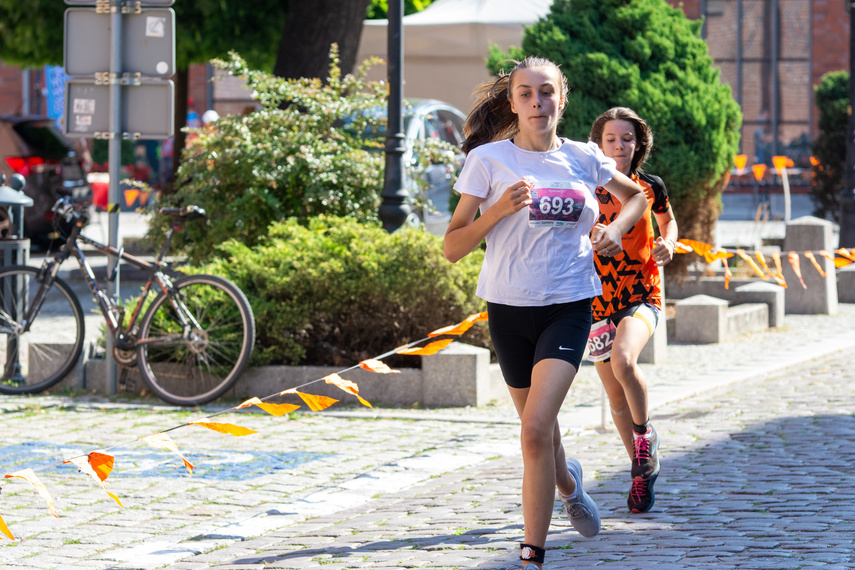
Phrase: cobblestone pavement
(757,455)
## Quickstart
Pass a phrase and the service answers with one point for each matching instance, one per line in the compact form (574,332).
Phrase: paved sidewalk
(756,476)
(758,447)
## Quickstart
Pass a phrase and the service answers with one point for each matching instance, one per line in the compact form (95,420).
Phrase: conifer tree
(646,55)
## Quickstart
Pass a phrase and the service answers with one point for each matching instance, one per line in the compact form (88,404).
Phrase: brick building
(772,53)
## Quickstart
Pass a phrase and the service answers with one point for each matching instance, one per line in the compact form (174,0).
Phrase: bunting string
(841,258)
(98,464)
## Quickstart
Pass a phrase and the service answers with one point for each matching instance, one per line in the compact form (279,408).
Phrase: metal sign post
(114,165)
(119,54)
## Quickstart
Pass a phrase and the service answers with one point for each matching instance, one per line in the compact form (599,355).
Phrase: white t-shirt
(527,264)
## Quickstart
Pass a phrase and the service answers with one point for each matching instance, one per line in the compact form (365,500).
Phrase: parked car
(430,119)
(34,147)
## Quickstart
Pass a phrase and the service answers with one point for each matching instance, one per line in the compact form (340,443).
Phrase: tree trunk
(310,28)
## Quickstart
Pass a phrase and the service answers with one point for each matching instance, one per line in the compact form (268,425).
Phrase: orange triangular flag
(682,248)
(741,253)
(457,329)
(5,529)
(793,257)
(462,326)
(809,255)
(377,366)
(838,262)
(101,463)
(843,252)
(29,476)
(83,464)
(428,349)
(230,429)
(780,276)
(272,409)
(698,247)
(727,273)
(317,403)
(347,386)
(144,198)
(762,259)
(130,196)
(715,254)
(163,441)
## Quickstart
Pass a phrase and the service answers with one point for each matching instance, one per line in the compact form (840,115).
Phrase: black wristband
(531,553)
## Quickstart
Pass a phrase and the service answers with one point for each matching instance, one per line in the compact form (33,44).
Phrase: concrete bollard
(764,292)
(846,284)
(458,375)
(701,319)
(820,296)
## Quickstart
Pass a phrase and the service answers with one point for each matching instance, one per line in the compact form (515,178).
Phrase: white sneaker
(581,508)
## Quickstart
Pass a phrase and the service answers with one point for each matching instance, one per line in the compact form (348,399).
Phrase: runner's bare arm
(465,233)
(633,204)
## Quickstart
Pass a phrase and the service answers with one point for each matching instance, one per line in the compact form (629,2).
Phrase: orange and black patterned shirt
(632,276)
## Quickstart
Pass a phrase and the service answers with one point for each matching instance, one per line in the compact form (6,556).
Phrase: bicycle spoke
(200,365)
(42,355)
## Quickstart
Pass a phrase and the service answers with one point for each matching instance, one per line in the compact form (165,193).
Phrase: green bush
(337,291)
(646,55)
(829,148)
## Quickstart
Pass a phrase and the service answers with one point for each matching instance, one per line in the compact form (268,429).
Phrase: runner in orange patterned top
(627,312)
(631,277)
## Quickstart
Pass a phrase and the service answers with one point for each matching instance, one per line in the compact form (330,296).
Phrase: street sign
(148,42)
(140,2)
(146,109)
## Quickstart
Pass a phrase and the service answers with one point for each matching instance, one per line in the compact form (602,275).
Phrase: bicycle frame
(112,312)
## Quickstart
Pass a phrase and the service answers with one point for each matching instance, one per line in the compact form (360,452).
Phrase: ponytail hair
(491,118)
(643,134)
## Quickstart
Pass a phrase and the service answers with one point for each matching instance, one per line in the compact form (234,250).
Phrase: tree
(315,23)
(829,148)
(645,55)
(30,40)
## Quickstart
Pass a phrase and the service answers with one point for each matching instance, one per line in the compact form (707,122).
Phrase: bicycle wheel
(194,366)
(36,359)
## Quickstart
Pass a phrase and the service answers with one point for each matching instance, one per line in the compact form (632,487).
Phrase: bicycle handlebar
(67,208)
(187,212)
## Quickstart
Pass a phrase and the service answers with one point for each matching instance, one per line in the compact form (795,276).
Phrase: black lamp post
(394,207)
(847,202)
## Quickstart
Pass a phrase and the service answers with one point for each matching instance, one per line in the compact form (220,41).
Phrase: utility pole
(847,202)
(394,208)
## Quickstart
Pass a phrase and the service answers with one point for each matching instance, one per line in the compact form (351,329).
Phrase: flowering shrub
(290,158)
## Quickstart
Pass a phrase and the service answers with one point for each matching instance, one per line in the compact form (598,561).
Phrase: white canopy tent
(446,45)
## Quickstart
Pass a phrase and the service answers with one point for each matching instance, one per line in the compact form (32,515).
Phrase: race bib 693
(556,205)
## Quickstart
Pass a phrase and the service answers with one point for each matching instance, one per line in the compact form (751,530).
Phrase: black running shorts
(523,336)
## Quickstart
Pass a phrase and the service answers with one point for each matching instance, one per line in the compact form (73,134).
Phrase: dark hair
(643,134)
(491,118)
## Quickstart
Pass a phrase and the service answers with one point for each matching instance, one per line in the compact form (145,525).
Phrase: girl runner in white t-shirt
(536,195)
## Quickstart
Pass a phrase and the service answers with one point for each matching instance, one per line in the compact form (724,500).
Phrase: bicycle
(193,342)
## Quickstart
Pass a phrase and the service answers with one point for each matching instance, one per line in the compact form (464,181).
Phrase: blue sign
(55,78)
